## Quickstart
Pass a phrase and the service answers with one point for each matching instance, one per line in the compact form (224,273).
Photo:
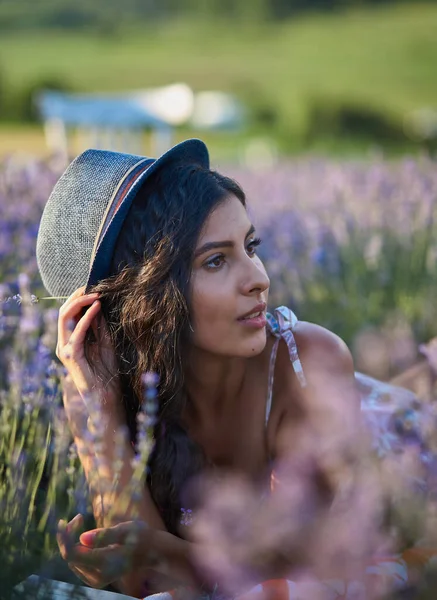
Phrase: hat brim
(191,151)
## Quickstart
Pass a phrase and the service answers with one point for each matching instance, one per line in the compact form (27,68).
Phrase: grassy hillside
(383,57)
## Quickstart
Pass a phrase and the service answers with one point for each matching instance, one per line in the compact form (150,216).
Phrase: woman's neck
(214,386)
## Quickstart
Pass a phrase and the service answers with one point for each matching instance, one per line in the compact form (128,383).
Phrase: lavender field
(351,246)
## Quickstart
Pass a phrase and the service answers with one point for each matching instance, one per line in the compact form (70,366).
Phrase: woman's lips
(258,308)
(257,322)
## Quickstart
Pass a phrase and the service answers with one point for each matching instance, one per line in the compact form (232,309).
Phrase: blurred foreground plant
(376,540)
(41,478)
(35,478)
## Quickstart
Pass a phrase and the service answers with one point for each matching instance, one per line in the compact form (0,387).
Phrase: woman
(159,263)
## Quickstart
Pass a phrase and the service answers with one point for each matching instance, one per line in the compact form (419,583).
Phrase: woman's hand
(103,556)
(72,328)
(107,555)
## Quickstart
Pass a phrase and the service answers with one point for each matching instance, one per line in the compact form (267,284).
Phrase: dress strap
(281,324)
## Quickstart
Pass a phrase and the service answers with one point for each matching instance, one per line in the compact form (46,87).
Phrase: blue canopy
(93,111)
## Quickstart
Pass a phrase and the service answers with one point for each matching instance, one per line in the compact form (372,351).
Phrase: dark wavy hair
(146,304)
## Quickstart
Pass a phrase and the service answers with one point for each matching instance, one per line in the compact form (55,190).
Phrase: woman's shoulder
(327,366)
(321,346)
(316,346)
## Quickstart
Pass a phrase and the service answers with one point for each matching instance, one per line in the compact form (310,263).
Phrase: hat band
(120,193)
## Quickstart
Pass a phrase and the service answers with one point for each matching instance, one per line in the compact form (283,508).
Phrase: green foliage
(345,118)
(18,105)
(283,70)
(32,483)
(3,91)
(28,95)
(64,14)
(40,472)
(79,14)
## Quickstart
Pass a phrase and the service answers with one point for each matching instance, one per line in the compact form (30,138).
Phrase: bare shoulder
(328,369)
(319,350)
(330,396)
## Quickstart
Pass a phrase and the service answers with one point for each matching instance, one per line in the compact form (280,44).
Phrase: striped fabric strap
(129,180)
(281,325)
(161,596)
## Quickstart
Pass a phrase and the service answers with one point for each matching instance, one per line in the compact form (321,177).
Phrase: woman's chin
(255,345)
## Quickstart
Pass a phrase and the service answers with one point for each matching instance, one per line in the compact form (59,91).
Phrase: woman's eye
(252,246)
(215,262)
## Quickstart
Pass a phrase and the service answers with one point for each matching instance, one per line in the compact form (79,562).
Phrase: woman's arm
(318,441)
(99,463)
(111,504)
(108,468)
(324,415)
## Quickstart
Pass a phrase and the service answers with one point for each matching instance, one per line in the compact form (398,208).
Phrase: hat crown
(72,217)
(86,210)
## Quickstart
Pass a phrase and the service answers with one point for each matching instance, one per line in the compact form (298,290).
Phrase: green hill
(382,57)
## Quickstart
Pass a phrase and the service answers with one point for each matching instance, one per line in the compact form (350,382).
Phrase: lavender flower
(350,245)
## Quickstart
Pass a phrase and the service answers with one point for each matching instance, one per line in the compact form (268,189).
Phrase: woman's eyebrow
(224,244)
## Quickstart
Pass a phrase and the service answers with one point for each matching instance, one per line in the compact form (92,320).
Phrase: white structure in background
(173,104)
(216,110)
(117,121)
(421,124)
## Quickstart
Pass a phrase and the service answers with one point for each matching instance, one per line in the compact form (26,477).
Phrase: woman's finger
(64,540)
(67,534)
(78,334)
(75,524)
(89,576)
(129,533)
(83,574)
(72,354)
(111,562)
(75,294)
(74,304)
(70,317)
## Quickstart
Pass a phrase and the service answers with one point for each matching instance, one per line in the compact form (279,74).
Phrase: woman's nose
(256,278)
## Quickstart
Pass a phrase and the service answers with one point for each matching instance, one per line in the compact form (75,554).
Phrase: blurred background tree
(79,14)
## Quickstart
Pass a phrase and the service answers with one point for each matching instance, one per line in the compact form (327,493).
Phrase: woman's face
(228,281)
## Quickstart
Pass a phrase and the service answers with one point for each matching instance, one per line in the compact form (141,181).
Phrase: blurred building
(118,121)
